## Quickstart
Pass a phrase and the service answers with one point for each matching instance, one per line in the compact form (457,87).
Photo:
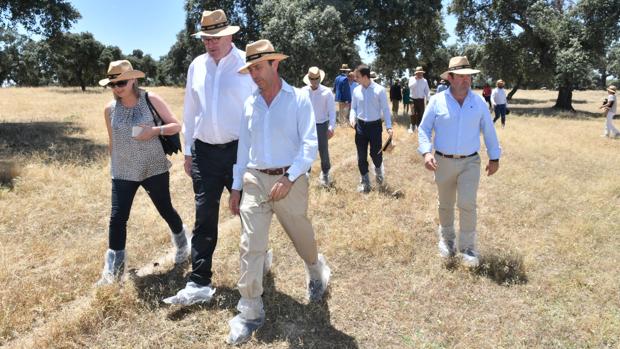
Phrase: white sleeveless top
(135,160)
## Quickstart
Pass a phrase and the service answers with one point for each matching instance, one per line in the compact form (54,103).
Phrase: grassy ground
(548,225)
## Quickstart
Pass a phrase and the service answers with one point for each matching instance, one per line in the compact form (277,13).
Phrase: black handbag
(170,143)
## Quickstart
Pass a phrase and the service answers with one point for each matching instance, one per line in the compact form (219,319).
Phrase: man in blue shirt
(458,116)
(352,83)
(342,90)
(367,107)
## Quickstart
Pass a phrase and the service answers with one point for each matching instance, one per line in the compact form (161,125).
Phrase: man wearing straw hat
(458,116)
(214,97)
(420,93)
(277,144)
(342,89)
(325,114)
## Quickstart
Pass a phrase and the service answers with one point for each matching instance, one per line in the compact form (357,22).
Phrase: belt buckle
(458,156)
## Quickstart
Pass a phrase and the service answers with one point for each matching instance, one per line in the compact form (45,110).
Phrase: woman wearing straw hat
(610,110)
(138,160)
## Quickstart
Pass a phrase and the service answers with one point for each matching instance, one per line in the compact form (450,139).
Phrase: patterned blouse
(135,160)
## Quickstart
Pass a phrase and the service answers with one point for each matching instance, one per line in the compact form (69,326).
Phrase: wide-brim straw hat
(611,89)
(459,65)
(314,72)
(499,82)
(345,67)
(419,70)
(215,24)
(120,70)
(258,51)
(373,75)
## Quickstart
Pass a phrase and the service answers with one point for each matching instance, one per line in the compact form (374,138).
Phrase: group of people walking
(248,131)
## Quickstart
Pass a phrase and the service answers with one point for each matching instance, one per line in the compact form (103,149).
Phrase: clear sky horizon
(152,25)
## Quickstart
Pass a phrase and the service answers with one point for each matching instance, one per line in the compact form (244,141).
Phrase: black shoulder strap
(153,110)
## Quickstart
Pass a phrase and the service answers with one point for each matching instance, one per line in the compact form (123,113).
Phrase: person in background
(610,108)
(324,107)
(499,102)
(486,93)
(396,96)
(406,97)
(442,86)
(342,91)
(368,107)
(420,93)
(457,117)
(352,83)
(137,160)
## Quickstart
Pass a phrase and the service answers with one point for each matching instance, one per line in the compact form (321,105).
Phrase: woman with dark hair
(138,160)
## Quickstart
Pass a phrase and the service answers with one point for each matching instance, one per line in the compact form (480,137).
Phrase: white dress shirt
(214,97)
(275,136)
(457,127)
(323,104)
(418,88)
(368,103)
(498,96)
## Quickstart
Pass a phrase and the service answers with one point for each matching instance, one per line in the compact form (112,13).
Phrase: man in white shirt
(368,104)
(420,93)
(499,102)
(277,145)
(212,114)
(324,108)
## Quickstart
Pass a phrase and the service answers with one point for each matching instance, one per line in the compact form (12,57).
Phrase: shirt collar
(449,92)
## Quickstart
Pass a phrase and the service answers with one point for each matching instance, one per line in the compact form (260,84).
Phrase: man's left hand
(390,131)
(330,134)
(492,167)
(280,189)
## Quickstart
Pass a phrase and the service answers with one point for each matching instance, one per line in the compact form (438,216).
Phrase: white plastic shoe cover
(183,246)
(192,293)
(241,329)
(317,278)
(113,268)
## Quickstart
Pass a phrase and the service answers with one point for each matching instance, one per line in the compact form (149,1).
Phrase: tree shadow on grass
(52,141)
(505,268)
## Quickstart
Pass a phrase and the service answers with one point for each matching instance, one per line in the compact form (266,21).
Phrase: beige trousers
(256,213)
(457,182)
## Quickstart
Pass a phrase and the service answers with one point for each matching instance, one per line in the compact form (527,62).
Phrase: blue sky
(152,25)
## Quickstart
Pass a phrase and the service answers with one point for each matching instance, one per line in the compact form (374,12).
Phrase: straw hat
(215,24)
(611,89)
(499,82)
(459,65)
(258,51)
(373,75)
(313,73)
(419,70)
(120,70)
(345,67)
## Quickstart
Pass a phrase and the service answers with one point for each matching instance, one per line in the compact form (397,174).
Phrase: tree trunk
(565,99)
(514,88)
(603,81)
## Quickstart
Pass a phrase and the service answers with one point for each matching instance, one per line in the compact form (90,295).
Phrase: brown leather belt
(455,156)
(274,171)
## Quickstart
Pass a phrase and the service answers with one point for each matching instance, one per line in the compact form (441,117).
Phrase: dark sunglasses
(122,83)
(313,78)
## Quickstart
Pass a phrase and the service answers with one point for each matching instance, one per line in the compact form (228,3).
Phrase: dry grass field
(548,234)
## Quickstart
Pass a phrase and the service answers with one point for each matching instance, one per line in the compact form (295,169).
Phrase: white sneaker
(446,248)
(192,293)
(469,258)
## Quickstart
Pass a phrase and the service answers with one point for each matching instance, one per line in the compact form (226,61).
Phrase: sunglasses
(122,83)
(209,40)
(313,78)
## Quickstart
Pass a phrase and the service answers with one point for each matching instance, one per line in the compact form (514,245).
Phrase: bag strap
(153,110)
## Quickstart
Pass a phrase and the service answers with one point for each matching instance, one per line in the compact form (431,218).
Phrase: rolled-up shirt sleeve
(306,128)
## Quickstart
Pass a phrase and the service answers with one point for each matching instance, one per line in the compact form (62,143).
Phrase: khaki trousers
(256,213)
(457,182)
